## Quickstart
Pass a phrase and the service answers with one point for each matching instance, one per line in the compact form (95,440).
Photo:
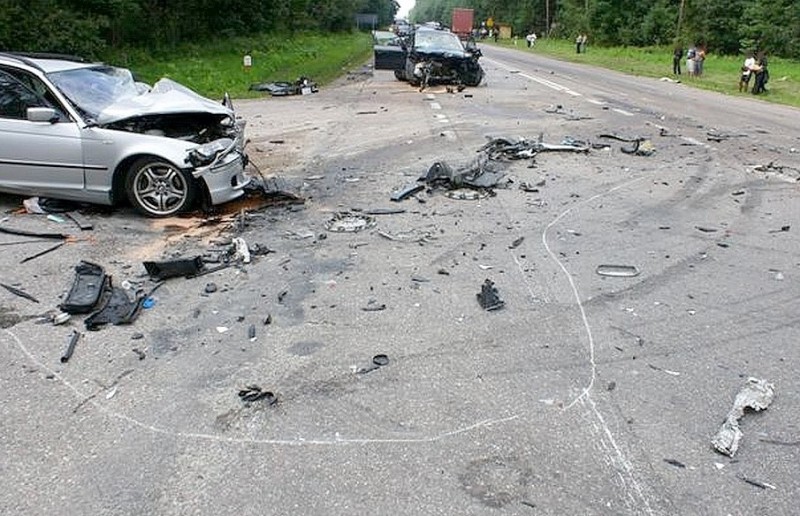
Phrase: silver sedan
(91,133)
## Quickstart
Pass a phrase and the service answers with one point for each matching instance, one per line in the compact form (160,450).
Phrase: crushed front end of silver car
(174,111)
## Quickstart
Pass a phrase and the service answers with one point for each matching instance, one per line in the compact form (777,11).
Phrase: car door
(36,157)
(390,57)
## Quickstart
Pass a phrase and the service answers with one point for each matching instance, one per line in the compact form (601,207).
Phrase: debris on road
(570,114)
(117,309)
(489,298)
(516,243)
(254,393)
(42,253)
(756,394)
(718,136)
(302,86)
(378,361)
(174,268)
(348,222)
(73,340)
(756,483)
(617,271)
(641,147)
(783,229)
(19,293)
(89,284)
(406,191)
(481,173)
(384,211)
(676,463)
(373,306)
(34,234)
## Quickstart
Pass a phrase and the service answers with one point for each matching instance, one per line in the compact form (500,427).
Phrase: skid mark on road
(89,399)
(610,448)
(614,455)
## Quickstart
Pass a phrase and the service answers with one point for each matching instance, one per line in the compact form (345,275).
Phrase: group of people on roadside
(754,65)
(695,58)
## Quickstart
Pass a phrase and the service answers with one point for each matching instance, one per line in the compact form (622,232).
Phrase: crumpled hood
(165,97)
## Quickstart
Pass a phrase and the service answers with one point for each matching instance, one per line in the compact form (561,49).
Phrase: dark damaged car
(89,132)
(431,56)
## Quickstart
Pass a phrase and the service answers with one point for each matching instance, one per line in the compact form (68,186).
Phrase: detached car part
(87,288)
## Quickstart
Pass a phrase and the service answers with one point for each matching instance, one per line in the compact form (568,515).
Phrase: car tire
(474,79)
(157,188)
(400,75)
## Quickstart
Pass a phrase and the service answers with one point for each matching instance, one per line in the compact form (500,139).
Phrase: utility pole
(547,17)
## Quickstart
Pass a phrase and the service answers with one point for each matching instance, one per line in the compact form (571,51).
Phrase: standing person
(699,59)
(584,39)
(690,55)
(578,44)
(677,57)
(762,73)
(747,72)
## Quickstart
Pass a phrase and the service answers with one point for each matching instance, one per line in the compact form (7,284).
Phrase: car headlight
(206,154)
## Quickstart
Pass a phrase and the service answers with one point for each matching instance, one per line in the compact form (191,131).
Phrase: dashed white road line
(622,112)
(544,82)
(596,102)
(436,105)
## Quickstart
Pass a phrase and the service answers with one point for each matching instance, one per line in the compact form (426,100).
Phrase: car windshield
(437,40)
(93,89)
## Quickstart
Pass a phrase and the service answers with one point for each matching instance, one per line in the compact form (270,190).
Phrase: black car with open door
(431,56)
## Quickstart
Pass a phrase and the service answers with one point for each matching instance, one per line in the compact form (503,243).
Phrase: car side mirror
(42,114)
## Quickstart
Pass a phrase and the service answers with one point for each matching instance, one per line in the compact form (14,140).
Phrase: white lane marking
(622,112)
(544,82)
(596,102)
(430,96)
(436,105)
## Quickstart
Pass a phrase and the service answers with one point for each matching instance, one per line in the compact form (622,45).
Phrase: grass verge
(721,73)
(215,67)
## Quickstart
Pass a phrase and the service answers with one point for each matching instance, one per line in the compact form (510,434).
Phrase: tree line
(723,26)
(87,27)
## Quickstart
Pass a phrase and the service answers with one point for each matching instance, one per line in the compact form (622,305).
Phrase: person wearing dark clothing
(677,57)
(762,74)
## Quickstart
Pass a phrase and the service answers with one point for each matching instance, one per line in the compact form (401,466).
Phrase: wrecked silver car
(89,132)
(431,56)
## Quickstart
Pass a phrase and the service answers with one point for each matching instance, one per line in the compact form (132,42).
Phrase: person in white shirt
(747,72)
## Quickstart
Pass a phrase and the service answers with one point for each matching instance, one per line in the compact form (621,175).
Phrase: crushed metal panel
(756,394)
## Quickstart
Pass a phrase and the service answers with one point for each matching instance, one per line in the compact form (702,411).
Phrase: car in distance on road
(431,56)
(88,132)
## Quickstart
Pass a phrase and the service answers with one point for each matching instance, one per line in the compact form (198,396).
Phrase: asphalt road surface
(585,394)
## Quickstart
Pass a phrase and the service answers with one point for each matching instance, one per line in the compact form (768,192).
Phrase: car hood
(166,97)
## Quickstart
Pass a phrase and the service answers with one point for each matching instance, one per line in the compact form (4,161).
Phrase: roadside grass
(215,67)
(720,73)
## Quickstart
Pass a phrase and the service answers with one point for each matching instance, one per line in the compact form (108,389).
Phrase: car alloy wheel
(158,189)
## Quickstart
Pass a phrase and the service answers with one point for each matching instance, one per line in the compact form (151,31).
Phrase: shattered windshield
(438,41)
(93,89)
